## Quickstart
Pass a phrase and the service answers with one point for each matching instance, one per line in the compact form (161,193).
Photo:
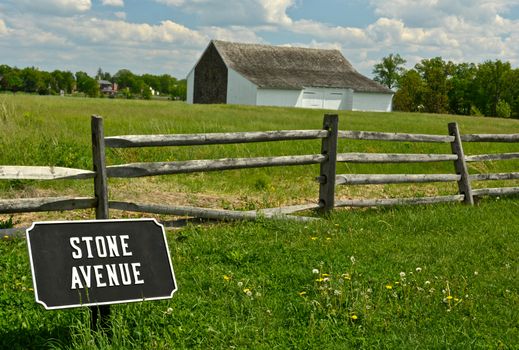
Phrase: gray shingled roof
(294,68)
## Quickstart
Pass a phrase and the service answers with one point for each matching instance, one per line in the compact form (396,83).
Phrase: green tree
(10,79)
(87,84)
(389,71)
(32,80)
(492,83)
(103,75)
(179,90)
(409,97)
(435,74)
(462,86)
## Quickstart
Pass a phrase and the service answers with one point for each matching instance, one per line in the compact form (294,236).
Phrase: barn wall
(210,80)
(240,90)
(278,97)
(374,102)
(190,86)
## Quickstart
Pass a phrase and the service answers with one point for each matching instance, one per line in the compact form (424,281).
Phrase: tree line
(434,85)
(130,85)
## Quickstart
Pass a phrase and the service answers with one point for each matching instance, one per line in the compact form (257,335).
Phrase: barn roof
(293,67)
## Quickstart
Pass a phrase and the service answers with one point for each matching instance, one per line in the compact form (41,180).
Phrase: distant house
(107,87)
(265,75)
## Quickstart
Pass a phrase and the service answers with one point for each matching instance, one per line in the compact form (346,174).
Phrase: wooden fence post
(460,165)
(327,172)
(100,312)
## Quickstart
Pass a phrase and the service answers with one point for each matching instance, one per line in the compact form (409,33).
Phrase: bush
(503,109)
(475,111)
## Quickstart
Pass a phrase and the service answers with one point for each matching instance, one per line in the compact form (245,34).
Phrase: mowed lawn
(423,277)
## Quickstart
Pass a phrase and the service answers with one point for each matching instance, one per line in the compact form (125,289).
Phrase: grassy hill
(442,276)
(56,131)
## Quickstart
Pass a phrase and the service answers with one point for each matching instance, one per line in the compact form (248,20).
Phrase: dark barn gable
(210,78)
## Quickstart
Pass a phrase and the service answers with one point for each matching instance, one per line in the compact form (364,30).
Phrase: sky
(168,36)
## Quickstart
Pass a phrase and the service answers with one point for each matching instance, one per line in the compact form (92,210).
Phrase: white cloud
(3,27)
(233,33)
(120,15)
(236,12)
(430,13)
(171,2)
(316,30)
(116,3)
(56,7)
(126,34)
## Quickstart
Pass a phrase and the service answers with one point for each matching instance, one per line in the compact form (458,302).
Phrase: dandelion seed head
(315,271)
(418,269)
(240,284)
(402,274)
(352,258)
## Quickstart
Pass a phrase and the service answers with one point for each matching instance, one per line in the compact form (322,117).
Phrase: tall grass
(56,131)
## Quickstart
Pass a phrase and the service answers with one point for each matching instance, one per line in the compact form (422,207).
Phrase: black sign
(84,263)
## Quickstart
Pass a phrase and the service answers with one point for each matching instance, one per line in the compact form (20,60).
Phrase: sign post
(99,262)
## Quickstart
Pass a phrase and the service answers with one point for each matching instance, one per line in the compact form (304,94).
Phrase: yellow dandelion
(354,317)
(319,279)
(313,238)
(226,278)
(325,275)
(388,286)
(450,297)
(302,294)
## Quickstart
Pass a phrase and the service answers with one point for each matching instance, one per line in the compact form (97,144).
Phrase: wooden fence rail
(327,179)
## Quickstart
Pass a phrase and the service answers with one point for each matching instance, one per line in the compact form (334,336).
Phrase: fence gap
(328,167)
(464,186)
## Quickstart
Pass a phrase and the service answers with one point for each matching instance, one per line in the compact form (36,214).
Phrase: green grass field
(253,285)
(442,276)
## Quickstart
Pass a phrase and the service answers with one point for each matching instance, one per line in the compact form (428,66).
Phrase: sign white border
(97,221)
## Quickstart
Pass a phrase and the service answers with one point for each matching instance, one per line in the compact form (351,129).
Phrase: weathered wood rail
(328,180)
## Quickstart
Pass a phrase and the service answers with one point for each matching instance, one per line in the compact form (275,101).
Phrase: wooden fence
(327,158)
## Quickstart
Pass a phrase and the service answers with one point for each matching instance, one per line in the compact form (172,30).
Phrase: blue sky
(168,36)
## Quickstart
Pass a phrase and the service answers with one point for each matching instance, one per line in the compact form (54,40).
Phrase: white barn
(265,75)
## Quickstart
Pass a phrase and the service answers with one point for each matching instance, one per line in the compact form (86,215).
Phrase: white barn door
(323,98)
(312,98)
(333,99)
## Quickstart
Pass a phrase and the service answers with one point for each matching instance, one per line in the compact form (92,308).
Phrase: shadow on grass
(56,338)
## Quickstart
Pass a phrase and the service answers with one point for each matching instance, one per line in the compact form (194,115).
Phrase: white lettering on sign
(107,275)
(111,275)
(102,246)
